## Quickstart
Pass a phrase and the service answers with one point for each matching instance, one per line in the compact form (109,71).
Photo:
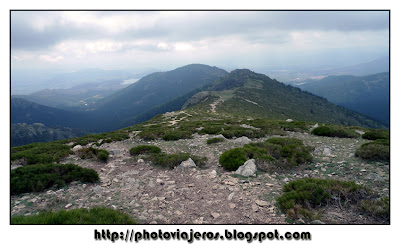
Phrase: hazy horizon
(46,43)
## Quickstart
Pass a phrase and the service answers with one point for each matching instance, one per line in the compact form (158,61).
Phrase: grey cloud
(195,26)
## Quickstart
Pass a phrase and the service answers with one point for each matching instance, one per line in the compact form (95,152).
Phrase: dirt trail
(214,105)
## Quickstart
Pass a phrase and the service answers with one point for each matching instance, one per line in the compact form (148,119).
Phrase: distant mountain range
(157,88)
(22,134)
(241,92)
(124,105)
(81,97)
(295,75)
(378,65)
(28,81)
(368,95)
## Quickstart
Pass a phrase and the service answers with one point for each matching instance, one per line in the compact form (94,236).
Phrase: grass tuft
(93,216)
(36,178)
(376,150)
(302,197)
(94,153)
(144,149)
(334,131)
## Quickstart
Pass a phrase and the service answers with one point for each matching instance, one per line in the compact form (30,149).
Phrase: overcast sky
(168,39)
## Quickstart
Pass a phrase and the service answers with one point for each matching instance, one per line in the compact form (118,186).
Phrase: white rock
(212,174)
(243,139)
(187,164)
(140,160)
(77,147)
(289,120)
(360,132)
(215,215)
(262,203)
(327,151)
(219,136)
(249,168)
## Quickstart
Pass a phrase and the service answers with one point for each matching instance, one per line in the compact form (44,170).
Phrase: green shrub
(215,140)
(39,153)
(284,141)
(378,208)
(286,152)
(102,155)
(272,155)
(144,149)
(168,160)
(231,132)
(152,132)
(211,130)
(108,137)
(176,135)
(94,216)
(296,154)
(233,159)
(297,126)
(36,178)
(376,134)
(376,150)
(334,131)
(301,197)
(199,161)
(96,154)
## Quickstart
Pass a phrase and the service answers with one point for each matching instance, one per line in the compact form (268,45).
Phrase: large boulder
(188,164)
(243,139)
(249,168)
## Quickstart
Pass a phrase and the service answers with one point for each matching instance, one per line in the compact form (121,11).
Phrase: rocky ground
(154,195)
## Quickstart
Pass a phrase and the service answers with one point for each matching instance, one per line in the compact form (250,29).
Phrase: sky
(163,40)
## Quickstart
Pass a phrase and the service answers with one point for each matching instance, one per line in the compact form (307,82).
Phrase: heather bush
(144,149)
(36,178)
(80,216)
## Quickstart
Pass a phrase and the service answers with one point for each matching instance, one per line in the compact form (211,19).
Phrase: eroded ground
(212,195)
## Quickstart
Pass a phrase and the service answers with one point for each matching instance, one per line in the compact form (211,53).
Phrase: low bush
(334,131)
(168,160)
(376,134)
(199,161)
(233,158)
(286,152)
(211,130)
(376,150)
(215,140)
(36,178)
(378,208)
(297,126)
(108,137)
(144,149)
(39,153)
(301,197)
(94,153)
(93,216)
(176,135)
(237,131)
(284,141)
(272,155)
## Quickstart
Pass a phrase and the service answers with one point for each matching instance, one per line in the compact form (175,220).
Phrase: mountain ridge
(247,92)
(368,94)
